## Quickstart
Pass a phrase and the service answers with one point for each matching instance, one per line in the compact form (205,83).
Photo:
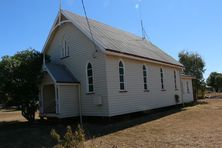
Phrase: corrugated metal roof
(60,73)
(120,41)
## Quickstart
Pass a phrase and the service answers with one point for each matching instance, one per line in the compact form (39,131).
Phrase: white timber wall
(68,98)
(187,95)
(136,99)
(82,51)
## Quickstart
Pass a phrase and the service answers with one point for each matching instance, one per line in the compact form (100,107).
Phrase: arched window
(121,76)
(90,78)
(175,80)
(161,78)
(65,47)
(144,77)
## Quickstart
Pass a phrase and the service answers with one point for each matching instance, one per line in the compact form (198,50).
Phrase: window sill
(163,89)
(123,91)
(146,90)
(64,57)
(90,93)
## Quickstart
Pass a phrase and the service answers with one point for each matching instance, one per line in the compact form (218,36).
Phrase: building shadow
(22,134)
(97,126)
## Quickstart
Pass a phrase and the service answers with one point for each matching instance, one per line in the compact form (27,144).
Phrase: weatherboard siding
(81,51)
(187,96)
(68,100)
(136,99)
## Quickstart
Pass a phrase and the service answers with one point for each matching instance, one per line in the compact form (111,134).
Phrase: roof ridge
(109,37)
(99,22)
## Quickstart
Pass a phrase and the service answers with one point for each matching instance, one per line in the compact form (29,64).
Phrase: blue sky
(172,25)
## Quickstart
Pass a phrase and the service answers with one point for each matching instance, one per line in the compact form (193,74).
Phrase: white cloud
(137,6)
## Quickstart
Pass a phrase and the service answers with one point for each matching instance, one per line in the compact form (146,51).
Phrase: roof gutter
(141,58)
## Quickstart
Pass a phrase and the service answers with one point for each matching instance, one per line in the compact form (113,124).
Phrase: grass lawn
(192,126)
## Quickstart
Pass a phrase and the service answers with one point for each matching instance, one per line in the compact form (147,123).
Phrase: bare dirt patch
(11,115)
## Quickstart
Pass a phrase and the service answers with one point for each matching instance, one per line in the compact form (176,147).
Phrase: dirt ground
(199,125)
(195,126)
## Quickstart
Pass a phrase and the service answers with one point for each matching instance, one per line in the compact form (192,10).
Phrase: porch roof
(60,73)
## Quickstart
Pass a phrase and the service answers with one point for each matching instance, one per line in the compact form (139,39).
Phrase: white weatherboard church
(113,73)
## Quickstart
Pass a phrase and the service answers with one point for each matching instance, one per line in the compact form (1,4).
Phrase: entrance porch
(59,95)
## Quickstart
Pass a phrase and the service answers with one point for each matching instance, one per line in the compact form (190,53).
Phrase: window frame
(123,75)
(188,88)
(65,47)
(145,83)
(87,79)
(162,86)
(175,80)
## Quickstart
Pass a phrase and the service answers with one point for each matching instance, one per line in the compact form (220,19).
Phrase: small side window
(188,89)
(175,80)
(161,79)
(65,47)
(145,78)
(121,76)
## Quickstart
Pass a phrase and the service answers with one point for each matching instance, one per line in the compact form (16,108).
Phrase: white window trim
(146,69)
(87,81)
(187,86)
(164,88)
(124,77)
(65,47)
(175,79)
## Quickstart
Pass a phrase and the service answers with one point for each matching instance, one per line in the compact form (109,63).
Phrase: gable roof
(110,39)
(119,41)
(60,73)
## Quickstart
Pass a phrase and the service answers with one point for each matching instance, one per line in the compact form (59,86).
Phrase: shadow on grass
(23,134)
(96,127)
(36,135)
(198,102)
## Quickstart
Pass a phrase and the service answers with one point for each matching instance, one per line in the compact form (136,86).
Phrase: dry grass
(194,126)
(213,95)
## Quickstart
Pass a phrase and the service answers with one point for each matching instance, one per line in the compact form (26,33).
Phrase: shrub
(71,139)
(28,110)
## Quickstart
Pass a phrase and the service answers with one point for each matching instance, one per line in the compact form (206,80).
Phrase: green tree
(215,80)
(20,75)
(194,66)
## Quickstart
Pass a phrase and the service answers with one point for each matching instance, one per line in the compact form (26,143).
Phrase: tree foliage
(193,63)
(194,66)
(20,75)
(215,80)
